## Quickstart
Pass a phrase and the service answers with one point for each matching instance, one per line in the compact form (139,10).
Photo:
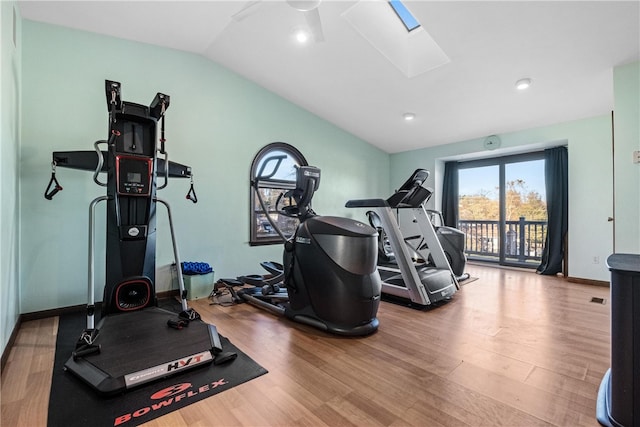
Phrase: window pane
(479,205)
(525,190)
(284,162)
(525,211)
(479,193)
(407,18)
(264,229)
(272,200)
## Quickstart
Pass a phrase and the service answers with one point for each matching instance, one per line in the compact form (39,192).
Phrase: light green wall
(216,123)
(9,142)
(590,181)
(591,176)
(626,89)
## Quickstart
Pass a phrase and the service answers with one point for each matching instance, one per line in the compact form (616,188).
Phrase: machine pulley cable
(162,138)
(163,108)
(113,104)
(54,186)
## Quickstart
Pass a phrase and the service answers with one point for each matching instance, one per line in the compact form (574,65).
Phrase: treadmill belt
(134,341)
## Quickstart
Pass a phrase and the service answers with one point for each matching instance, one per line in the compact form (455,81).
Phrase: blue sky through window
(409,21)
(286,169)
(485,180)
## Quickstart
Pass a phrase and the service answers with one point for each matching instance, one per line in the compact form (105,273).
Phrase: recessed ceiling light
(301,35)
(409,116)
(523,84)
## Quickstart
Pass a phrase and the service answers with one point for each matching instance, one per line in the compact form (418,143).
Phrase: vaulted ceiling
(358,80)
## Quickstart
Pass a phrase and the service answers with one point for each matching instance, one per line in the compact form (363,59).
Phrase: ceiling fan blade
(315,25)
(247,10)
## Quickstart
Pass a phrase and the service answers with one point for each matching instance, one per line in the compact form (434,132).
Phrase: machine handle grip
(366,203)
(49,193)
(191,195)
(100,158)
(54,186)
(166,169)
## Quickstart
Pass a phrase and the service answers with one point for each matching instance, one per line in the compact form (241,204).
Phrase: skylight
(409,21)
(412,52)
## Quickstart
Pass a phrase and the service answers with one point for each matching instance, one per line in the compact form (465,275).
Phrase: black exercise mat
(73,403)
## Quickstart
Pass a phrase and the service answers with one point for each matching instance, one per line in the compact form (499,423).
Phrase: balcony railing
(523,240)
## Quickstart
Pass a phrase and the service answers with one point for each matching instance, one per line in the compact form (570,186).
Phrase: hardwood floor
(512,348)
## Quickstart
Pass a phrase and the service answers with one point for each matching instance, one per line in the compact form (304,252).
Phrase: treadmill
(135,341)
(419,285)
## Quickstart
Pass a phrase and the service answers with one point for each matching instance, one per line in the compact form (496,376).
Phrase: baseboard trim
(37,315)
(76,308)
(10,343)
(592,282)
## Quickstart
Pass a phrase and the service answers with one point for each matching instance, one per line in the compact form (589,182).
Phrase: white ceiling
(569,49)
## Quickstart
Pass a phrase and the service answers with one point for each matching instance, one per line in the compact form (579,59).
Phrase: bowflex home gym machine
(403,279)
(135,342)
(328,278)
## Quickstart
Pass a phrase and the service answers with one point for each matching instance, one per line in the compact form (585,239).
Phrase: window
(278,176)
(409,21)
(502,209)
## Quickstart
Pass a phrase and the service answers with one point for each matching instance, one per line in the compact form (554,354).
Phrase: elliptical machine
(328,278)
(135,341)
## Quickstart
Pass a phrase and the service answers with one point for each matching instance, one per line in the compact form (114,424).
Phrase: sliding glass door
(502,209)
(479,210)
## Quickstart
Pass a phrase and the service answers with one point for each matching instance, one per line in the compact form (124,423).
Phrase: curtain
(556,185)
(450,194)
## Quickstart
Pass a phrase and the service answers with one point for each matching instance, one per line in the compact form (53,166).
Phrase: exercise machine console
(135,341)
